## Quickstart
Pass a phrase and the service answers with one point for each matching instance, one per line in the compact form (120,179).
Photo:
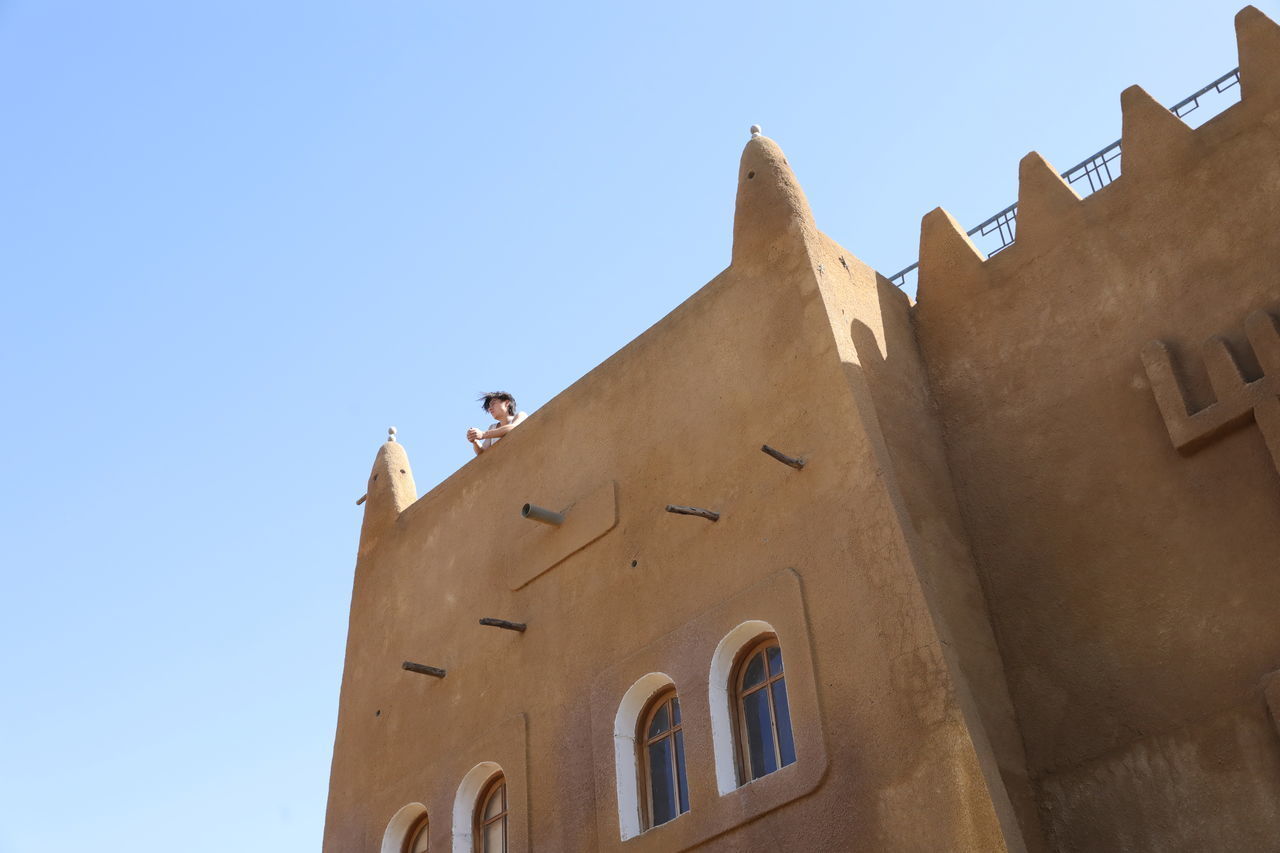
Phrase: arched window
(417,840)
(660,740)
(630,725)
(763,717)
(489,828)
(479,806)
(407,831)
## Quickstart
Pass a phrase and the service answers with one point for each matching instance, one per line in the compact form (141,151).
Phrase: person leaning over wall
(502,407)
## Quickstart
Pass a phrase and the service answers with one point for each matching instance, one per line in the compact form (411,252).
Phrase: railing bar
(1234,72)
(978,228)
(1087,162)
(902,274)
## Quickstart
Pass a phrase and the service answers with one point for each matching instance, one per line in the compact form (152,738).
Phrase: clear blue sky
(239,239)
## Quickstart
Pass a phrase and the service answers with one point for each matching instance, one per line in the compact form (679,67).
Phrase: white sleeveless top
(486,443)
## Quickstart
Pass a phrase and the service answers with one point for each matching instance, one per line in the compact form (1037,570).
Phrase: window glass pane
(660,787)
(684,783)
(493,806)
(675,710)
(419,844)
(786,745)
(775,660)
(759,734)
(661,721)
(754,673)
(495,837)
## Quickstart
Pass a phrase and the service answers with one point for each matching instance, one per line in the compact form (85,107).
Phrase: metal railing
(1088,176)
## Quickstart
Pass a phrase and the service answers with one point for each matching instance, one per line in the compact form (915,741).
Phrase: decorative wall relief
(1238,401)
(545,547)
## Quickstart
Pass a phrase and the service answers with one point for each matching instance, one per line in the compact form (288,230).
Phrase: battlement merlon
(1258,44)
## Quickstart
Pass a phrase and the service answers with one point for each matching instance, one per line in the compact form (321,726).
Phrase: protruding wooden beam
(503,623)
(362,499)
(693,510)
(423,669)
(783,458)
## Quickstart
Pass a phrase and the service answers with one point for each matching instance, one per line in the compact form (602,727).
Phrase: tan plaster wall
(1133,589)
(678,416)
(1015,617)
(1217,783)
(873,325)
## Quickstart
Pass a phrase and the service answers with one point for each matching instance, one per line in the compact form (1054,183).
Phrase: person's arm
(475,445)
(500,431)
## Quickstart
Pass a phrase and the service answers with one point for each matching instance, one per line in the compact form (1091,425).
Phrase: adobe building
(1019,589)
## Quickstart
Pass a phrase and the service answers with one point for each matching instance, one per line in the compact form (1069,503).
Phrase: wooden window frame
(416,830)
(742,750)
(478,820)
(643,741)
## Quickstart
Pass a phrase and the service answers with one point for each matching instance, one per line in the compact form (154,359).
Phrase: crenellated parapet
(1156,144)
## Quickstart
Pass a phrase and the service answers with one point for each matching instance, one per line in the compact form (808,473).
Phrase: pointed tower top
(771,206)
(390,491)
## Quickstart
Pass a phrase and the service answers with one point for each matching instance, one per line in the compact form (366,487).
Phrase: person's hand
(475,434)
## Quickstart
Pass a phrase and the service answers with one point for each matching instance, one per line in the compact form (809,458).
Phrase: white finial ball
(391,433)
(755,130)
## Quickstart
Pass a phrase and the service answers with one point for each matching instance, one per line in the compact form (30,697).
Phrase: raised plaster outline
(684,655)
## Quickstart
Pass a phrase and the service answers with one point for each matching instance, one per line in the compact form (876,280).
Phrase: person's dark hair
(487,399)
